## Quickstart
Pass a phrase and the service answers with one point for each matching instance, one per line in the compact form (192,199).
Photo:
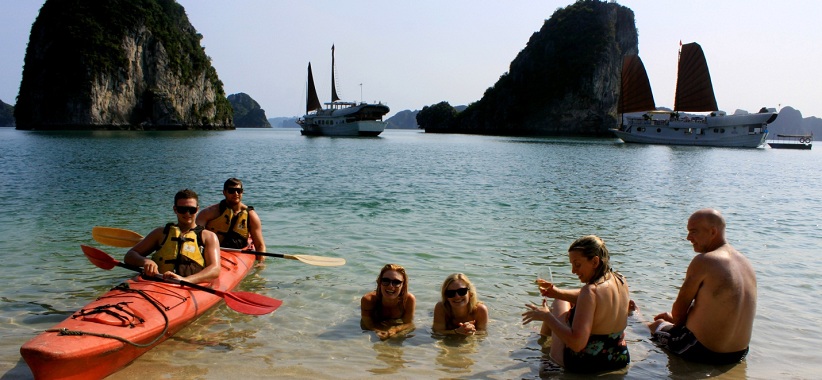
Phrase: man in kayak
(712,318)
(232,220)
(182,251)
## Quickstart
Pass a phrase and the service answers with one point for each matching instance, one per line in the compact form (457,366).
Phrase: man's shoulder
(210,208)
(720,255)
(208,235)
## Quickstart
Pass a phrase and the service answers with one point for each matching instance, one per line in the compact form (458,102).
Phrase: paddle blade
(251,303)
(115,237)
(319,261)
(98,257)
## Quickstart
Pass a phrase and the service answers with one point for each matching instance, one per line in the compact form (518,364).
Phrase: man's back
(723,311)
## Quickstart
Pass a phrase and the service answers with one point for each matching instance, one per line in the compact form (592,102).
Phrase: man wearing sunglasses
(181,251)
(232,220)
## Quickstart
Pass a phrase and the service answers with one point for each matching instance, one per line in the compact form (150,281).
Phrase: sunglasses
(234,190)
(186,210)
(451,293)
(385,281)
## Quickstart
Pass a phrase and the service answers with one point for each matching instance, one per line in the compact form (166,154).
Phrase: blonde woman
(460,312)
(389,309)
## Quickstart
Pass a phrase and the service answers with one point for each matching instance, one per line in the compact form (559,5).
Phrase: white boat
(694,93)
(340,118)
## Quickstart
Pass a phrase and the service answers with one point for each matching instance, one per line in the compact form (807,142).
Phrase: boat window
(658,130)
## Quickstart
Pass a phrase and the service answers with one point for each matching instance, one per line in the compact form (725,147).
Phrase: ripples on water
(498,209)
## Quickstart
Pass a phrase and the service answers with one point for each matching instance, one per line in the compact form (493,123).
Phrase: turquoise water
(499,209)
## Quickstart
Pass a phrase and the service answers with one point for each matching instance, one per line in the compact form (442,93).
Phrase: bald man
(712,318)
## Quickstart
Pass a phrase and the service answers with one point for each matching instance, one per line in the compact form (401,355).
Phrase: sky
(412,54)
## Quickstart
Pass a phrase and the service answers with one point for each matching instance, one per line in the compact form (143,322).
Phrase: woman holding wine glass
(587,325)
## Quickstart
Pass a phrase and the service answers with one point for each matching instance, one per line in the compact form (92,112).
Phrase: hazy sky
(416,53)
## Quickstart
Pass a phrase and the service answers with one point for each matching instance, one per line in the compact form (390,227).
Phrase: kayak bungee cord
(125,288)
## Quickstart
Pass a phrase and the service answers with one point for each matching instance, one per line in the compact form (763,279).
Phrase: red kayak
(130,319)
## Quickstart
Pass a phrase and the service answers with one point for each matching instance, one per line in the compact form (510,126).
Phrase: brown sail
(334,96)
(636,92)
(312,101)
(694,91)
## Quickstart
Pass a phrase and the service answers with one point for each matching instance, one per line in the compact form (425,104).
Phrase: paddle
(115,237)
(122,238)
(243,302)
(319,261)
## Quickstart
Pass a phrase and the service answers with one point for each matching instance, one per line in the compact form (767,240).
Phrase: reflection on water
(390,353)
(455,354)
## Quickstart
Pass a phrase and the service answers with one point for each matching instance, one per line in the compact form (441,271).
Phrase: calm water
(498,209)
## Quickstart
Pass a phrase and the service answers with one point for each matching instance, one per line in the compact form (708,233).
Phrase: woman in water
(389,310)
(587,324)
(459,312)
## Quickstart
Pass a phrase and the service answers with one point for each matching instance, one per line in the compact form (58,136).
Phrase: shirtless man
(712,318)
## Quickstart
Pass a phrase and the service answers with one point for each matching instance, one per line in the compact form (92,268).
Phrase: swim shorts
(681,341)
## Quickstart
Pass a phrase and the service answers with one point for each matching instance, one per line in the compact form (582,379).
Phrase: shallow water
(499,209)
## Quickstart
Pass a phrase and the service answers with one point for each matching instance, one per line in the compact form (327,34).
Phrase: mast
(334,96)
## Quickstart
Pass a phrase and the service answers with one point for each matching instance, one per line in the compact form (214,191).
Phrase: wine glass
(545,275)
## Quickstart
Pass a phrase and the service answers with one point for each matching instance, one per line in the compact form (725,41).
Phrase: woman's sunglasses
(451,293)
(385,281)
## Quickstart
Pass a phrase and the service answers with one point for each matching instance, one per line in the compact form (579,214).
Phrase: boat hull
(356,128)
(90,345)
(800,146)
(736,131)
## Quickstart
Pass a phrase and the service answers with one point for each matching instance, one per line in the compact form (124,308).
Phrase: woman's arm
(548,289)
(576,335)
(366,310)
(481,317)
(439,320)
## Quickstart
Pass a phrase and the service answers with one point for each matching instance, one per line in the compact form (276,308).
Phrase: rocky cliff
(565,81)
(247,112)
(118,64)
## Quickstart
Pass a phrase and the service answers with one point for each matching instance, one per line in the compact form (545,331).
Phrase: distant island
(6,114)
(247,112)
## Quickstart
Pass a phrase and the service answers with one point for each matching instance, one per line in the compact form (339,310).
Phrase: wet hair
(593,246)
(186,194)
(232,182)
(400,270)
(472,300)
